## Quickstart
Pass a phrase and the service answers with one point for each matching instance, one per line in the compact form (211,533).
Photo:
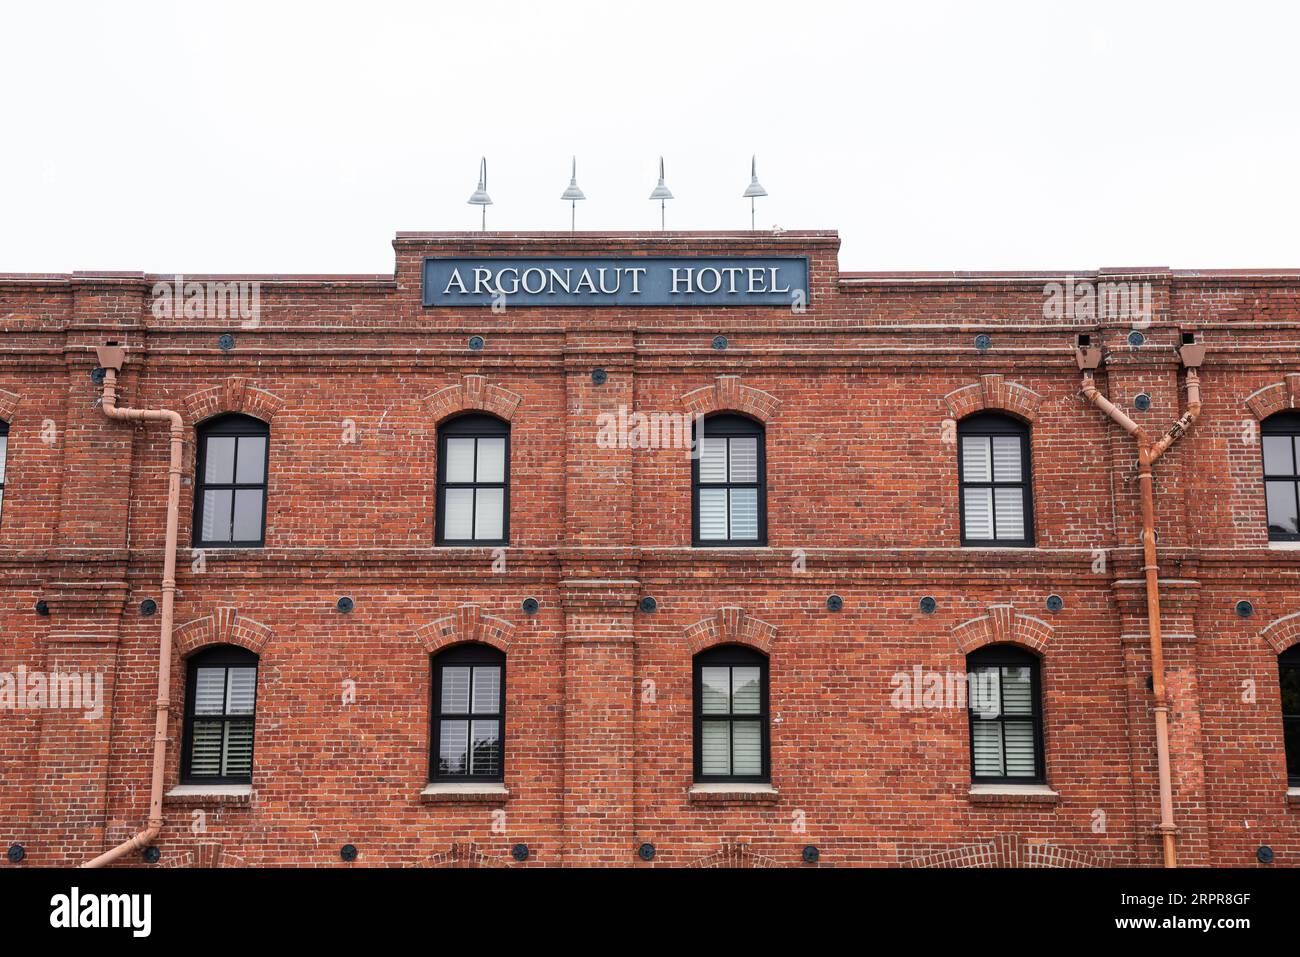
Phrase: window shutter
(979,513)
(713,513)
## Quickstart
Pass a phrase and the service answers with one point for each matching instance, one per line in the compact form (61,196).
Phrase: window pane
(219,459)
(713,514)
(1010,504)
(241,690)
(458,515)
(713,459)
(744,513)
(975,459)
(1006,458)
(487,689)
(1282,516)
(1017,691)
(209,691)
(216,515)
(251,464)
(985,692)
(238,758)
(1290,681)
(714,690)
(979,513)
(455,690)
(205,748)
(491,460)
(485,756)
(986,747)
(4,454)
(460,460)
(714,747)
(1277,455)
(746,690)
(1019,738)
(1291,741)
(489,514)
(746,747)
(453,744)
(248,515)
(744,459)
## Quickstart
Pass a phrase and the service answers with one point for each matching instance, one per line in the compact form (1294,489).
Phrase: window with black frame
(995,487)
(220,712)
(230,485)
(473,481)
(729,500)
(469,695)
(4,456)
(731,715)
(1281,442)
(1289,678)
(1004,698)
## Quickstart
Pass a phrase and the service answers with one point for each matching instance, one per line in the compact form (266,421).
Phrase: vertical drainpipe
(111,357)
(1192,355)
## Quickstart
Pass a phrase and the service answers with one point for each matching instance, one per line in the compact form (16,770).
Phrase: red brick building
(884,495)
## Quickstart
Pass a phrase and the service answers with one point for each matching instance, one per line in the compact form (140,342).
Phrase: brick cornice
(730,625)
(1282,633)
(235,394)
(9,404)
(225,626)
(993,392)
(472,392)
(466,623)
(728,394)
(1277,397)
(1002,625)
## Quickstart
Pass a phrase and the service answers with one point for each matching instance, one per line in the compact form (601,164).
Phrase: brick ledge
(457,793)
(732,794)
(209,795)
(994,794)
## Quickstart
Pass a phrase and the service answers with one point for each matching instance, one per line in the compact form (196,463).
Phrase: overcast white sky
(279,137)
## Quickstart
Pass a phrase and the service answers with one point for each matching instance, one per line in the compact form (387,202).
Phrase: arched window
(1281,440)
(1004,698)
(220,710)
(473,481)
(732,741)
(4,455)
(997,505)
(729,504)
(230,486)
(1288,664)
(469,714)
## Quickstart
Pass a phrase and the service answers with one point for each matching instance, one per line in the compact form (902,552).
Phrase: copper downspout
(1148,453)
(111,358)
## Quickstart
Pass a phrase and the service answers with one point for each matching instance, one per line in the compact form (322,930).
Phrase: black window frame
(989,424)
(471,425)
(471,654)
(1288,424)
(730,656)
(238,425)
(1289,661)
(227,656)
(4,461)
(729,425)
(1008,656)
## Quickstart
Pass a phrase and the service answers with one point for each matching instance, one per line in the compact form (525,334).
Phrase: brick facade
(858,395)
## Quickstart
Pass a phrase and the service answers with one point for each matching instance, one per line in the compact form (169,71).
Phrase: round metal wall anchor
(928,605)
(1265,854)
(720,342)
(1245,609)
(42,608)
(834,603)
(16,853)
(1055,602)
(348,852)
(599,376)
(345,604)
(151,854)
(1141,401)
(97,375)
(983,343)
(476,343)
(648,604)
(646,852)
(148,607)
(811,854)
(519,852)
(530,606)
(1136,338)
(226,342)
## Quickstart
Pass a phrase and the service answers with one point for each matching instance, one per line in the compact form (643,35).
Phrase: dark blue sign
(624,281)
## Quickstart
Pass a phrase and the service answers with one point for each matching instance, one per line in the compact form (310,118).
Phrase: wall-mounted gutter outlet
(111,356)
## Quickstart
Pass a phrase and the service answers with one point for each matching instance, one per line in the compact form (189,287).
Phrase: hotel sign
(624,281)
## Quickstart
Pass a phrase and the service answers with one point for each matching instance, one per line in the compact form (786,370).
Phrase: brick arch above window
(204,854)
(472,392)
(225,626)
(466,623)
(467,854)
(1282,633)
(9,404)
(1002,625)
(734,855)
(1278,397)
(729,394)
(994,393)
(234,394)
(1010,850)
(730,626)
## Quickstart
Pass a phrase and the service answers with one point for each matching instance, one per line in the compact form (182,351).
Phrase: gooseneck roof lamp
(480,196)
(573,194)
(754,189)
(661,193)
